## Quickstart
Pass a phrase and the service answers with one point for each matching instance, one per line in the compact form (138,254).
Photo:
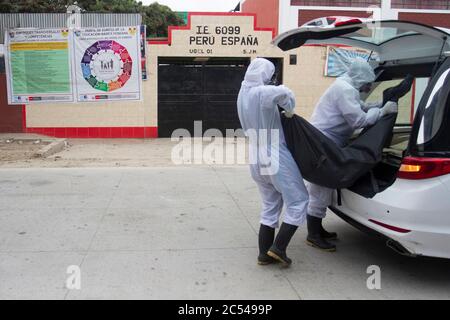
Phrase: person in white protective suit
(338,114)
(281,183)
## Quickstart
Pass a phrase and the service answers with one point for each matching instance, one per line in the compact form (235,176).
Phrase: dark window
(2,65)
(331,20)
(421,4)
(316,23)
(293,59)
(337,3)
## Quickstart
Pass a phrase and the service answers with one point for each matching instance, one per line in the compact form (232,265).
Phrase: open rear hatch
(390,39)
(396,44)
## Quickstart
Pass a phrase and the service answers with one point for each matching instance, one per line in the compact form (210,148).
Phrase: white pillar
(288,16)
(387,13)
(241,2)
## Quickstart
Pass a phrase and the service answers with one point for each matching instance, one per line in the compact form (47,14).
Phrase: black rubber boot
(278,249)
(327,235)
(265,241)
(315,238)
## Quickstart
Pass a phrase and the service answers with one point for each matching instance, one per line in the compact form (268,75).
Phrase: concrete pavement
(177,233)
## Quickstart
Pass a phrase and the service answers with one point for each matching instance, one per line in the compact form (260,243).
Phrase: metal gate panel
(191,91)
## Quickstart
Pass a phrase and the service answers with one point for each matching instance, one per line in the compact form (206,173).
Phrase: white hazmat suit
(258,111)
(338,114)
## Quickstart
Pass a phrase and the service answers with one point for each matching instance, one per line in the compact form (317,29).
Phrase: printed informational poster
(38,66)
(339,59)
(107,64)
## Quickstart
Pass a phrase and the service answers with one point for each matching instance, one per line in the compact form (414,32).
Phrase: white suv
(405,199)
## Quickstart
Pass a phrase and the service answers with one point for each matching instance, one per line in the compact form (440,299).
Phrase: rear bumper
(415,243)
(356,224)
(412,213)
(391,243)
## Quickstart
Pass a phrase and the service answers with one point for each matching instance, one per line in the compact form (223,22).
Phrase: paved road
(177,233)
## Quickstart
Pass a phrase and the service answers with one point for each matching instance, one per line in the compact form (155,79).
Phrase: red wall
(308,15)
(421,4)
(433,19)
(337,3)
(10,116)
(267,12)
(98,132)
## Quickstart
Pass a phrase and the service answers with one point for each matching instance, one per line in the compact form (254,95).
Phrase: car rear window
(434,130)
(407,104)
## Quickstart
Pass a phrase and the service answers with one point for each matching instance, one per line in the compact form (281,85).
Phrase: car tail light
(347,22)
(423,168)
(387,226)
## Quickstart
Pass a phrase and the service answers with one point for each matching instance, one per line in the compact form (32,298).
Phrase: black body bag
(322,162)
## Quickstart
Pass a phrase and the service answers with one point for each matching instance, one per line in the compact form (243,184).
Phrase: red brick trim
(91,132)
(24,118)
(97,132)
(431,19)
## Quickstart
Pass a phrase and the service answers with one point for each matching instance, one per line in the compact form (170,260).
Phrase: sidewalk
(111,153)
(23,147)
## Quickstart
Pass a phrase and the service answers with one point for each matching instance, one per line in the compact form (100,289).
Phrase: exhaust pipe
(397,247)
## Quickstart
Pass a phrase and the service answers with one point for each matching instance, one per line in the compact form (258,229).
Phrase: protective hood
(359,73)
(259,73)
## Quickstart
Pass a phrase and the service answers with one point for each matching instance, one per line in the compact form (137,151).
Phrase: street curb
(56,146)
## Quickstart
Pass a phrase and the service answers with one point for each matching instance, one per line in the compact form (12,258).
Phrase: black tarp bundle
(323,162)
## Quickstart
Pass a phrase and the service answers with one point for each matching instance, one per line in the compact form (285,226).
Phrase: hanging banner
(107,64)
(144,52)
(38,66)
(338,60)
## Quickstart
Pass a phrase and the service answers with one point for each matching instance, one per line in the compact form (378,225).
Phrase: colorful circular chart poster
(107,64)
